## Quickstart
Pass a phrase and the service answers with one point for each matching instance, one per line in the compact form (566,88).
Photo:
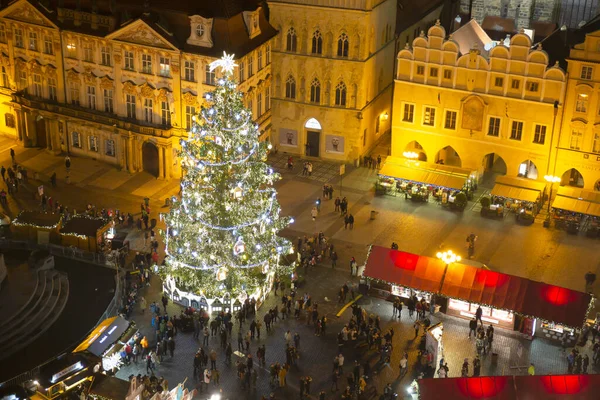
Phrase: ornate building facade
(333,66)
(497,112)
(121,82)
(578,147)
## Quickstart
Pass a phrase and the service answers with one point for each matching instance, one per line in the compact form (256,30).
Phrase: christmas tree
(222,233)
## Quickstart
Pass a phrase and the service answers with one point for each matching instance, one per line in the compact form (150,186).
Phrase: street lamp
(552,179)
(448,257)
(411,155)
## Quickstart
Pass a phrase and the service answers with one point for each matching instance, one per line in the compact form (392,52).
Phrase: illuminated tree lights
(222,233)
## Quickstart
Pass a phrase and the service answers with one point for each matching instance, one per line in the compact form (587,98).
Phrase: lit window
(33,41)
(494,127)
(165,66)
(76,139)
(429,116)
(409,113)
(581,103)
(539,136)
(71,49)
(516,130)
(450,122)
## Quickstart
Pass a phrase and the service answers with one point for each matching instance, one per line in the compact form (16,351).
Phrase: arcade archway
(572,177)
(527,169)
(415,147)
(448,156)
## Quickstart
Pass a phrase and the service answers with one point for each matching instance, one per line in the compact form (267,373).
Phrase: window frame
(36,84)
(448,72)
(291,42)
(315,91)
(88,53)
(210,77)
(189,71)
(578,141)
(531,85)
(148,110)
(76,140)
(343,50)
(317,43)
(108,145)
(587,72)
(411,112)
(499,81)
(290,87)
(341,93)
(105,56)
(539,137)
(48,45)
(90,92)
(19,42)
(497,126)
(129,60)
(420,70)
(454,120)
(93,143)
(516,135)
(433,72)
(130,106)
(33,41)
(432,116)
(52,89)
(146,63)
(164,66)
(596,142)
(242,71)
(581,103)
(108,98)
(190,111)
(515,84)
(165,113)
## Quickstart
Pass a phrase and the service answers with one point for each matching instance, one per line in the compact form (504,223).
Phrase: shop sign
(75,367)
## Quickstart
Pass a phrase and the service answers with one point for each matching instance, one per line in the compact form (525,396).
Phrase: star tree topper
(226,63)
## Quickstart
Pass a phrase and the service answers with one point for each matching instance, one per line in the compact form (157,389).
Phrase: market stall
(86,233)
(41,227)
(106,387)
(577,209)
(63,375)
(522,196)
(552,387)
(420,181)
(107,341)
(512,302)
(397,273)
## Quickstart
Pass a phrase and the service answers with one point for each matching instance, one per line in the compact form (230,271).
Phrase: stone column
(169,162)
(31,137)
(129,154)
(161,162)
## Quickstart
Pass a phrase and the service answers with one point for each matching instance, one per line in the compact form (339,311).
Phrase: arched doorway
(150,158)
(448,156)
(415,147)
(313,137)
(493,163)
(527,169)
(40,129)
(571,177)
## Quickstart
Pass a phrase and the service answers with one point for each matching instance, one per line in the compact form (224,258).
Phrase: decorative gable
(23,11)
(140,33)
(201,31)
(252,23)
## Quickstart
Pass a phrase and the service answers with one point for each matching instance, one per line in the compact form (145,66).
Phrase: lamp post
(448,257)
(552,179)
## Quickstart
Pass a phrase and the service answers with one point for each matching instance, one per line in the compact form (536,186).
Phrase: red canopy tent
(554,303)
(405,269)
(490,387)
(547,387)
(482,286)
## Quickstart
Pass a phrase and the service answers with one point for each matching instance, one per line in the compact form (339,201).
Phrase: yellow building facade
(119,83)
(493,113)
(577,157)
(333,66)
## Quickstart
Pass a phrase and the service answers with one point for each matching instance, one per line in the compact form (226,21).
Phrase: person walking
(403,365)
(351,221)
(171,346)
(313,213)
(206,336)
(213,359)
(337,204)
(472,327)
(479,314)
(12,156)
(416,326)
(334,258)
(353,266)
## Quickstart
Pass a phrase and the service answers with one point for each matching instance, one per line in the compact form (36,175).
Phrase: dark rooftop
(37,218)
(81,225)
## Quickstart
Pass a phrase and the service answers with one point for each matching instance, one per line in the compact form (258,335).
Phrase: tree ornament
(222,274)
(239,247)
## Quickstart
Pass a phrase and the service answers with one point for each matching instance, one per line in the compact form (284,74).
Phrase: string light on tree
(222,231)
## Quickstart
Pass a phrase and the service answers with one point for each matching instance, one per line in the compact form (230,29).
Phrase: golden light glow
(411,155)
(448,257)
(552,179)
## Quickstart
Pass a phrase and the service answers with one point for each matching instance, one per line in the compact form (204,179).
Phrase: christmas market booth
(37,226)
(577,210)
(85,233)
(64,374)
(523,197)
(508,301)
(107,341)
(105,387)
(550,387)
(420,181)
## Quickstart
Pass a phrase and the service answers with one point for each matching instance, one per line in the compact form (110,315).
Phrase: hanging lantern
(222,274)
(239,247)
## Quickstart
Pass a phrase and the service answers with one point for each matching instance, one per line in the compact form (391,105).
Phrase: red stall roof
(405,269)
(481,286)
(547,387)
(492,387)
(555,303)
(475,285)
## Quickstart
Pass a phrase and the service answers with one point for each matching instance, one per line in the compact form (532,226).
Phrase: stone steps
(42,319)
